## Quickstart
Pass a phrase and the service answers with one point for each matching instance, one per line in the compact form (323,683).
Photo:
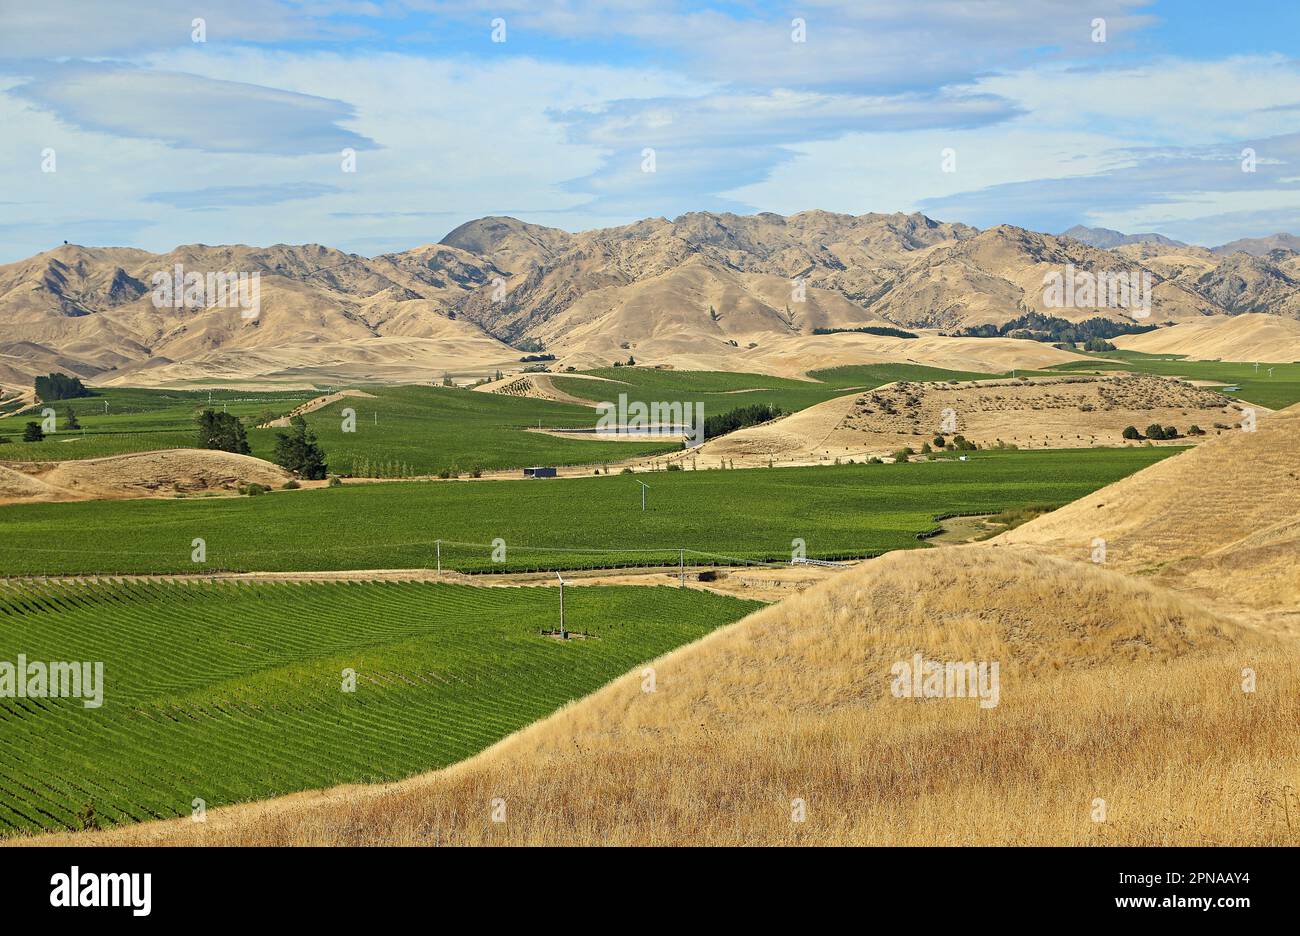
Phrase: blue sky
(982,111)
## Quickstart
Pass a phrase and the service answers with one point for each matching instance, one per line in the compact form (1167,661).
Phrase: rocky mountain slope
(720,288)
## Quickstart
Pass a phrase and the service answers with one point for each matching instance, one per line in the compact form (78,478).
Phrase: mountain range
(705,287)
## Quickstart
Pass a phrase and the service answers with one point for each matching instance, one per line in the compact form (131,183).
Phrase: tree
(298,452)
(1130,432)
(631,361)
(33,433)
(70,419)
(1155,431)
(223,432)
(940,441)
(59,387)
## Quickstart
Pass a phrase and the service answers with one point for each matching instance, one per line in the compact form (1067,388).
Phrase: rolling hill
(1120,715)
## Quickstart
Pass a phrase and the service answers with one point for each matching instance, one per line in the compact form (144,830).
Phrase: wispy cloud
(191,111)
(229,196)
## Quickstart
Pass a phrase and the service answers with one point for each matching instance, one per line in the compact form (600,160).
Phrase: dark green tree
(223,432)
(33,433)
(298,452)
(70,419)
(59,387)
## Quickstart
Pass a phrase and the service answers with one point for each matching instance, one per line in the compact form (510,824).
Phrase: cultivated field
(116,421)
(1121,720)
(228,692)
(719,516)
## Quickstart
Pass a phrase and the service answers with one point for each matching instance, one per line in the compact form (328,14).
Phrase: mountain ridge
(717,286)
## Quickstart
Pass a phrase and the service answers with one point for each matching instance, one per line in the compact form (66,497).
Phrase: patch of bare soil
(312,405)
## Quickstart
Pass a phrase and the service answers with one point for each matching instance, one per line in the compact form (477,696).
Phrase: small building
(539,472)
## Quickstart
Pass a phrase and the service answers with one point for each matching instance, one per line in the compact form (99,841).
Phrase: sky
(380,125)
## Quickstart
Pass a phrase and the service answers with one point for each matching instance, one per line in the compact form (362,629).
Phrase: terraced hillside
(225,692)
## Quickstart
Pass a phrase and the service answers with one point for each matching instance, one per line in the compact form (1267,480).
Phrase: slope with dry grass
(1110,689)
(1221,521)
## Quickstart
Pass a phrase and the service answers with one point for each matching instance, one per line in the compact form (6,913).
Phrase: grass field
(422,430)
(1276,391)
(121,420)
(754,514)
(233,692)
(414,430)
(722,392)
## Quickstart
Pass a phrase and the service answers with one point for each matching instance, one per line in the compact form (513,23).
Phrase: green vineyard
(719,517)
(222,692)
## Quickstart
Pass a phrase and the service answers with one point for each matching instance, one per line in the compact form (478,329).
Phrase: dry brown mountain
(722,289)
(1260,246)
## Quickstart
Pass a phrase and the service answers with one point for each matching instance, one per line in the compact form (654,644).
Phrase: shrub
(32,432)
(290,485)
(940,441)
(626,471)
(1130,432)
(675,466)
(1195,430)
(335,481)
(1155,431)
(902,455)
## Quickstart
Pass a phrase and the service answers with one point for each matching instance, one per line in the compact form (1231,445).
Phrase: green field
(229,692)
(1277,391)
(116,421)
(721,392)
(411,431)
(407,431)
(750,514)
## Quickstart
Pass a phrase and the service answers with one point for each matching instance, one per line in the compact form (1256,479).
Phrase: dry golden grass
(1220,522)
(1110,689)
(1055,412)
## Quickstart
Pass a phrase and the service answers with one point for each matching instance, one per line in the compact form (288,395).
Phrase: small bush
(290,486)
(335,481)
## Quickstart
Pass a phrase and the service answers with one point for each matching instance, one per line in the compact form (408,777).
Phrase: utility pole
(644,487)
(564,635)
(681,568)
